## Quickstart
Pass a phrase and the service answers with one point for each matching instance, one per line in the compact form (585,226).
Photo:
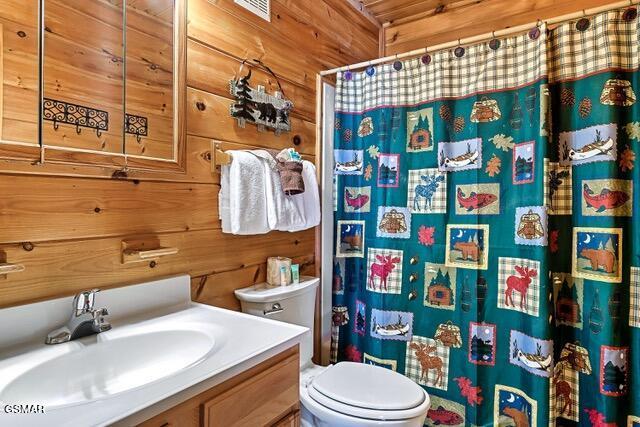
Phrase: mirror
(111,92)
(83,75)
(19,77)
(149,79)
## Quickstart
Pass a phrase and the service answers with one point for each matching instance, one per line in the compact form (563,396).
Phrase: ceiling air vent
(262,8)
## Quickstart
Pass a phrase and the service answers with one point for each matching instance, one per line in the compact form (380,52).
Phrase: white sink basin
(162,350)
(106,367)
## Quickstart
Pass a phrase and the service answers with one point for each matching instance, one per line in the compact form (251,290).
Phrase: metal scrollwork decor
(74,114)
(136,125)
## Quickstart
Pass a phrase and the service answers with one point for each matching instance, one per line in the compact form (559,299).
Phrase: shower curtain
(485,241)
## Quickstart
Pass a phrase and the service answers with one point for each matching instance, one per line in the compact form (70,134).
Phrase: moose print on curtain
(486,245)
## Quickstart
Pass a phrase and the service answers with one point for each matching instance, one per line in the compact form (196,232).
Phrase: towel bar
(135,251)
(6,268)
(218,157)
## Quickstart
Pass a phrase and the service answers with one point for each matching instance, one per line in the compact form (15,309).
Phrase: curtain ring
(397,65)
(459,51)
(426,57)
(494,43)
(348,74)
(370,70)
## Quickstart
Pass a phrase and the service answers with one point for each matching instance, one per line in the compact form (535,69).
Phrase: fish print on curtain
(486,245)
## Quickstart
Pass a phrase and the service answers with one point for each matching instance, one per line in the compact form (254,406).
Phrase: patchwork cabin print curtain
(487,233)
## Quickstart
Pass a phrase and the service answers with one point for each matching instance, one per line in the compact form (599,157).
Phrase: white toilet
(342,395)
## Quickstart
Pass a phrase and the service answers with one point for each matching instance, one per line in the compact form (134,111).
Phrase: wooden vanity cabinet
(265,395)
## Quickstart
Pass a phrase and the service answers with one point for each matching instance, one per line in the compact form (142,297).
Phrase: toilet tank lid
(263,292)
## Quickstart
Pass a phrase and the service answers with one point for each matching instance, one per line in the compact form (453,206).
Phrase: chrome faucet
(85,320)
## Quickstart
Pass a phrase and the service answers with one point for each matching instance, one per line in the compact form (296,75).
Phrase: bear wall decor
(258,107)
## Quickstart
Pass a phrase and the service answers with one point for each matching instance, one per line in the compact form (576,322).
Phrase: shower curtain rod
(481,37)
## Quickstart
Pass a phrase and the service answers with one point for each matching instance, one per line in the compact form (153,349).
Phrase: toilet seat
(367,392)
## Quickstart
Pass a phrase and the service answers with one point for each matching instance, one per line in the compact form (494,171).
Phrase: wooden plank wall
(447,20)
(66,227)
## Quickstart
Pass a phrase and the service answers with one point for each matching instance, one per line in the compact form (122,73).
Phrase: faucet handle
(101,312)
(84,301)
(99,323)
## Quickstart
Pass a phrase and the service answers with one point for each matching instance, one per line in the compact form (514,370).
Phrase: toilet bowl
(345,394)
(354,394)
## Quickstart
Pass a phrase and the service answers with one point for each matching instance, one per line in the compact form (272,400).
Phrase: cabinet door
(259,401)
(291,420)
(83,80)
(154,83)
(19,79)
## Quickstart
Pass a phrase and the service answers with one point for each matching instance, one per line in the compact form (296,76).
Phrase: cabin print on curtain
(487,240)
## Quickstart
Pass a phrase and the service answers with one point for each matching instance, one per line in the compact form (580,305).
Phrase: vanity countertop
(162,350)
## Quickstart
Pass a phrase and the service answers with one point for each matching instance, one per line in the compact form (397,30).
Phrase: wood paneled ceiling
(393,10)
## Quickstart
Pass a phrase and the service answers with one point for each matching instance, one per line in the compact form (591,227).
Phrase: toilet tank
(294,303)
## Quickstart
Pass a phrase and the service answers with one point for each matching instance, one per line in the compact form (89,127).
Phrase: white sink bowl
(100,367)
(162,350)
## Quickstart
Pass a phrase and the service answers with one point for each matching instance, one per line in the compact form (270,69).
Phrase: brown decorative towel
(291,177)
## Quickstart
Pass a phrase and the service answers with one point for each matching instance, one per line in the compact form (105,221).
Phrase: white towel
(283,214)
(307,203)
(251,200)
(242,199)
(224,208)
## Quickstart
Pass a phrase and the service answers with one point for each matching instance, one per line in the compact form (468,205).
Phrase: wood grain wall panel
(212,26)
(462,19)
(40,209)
(210,70)
(76,219)
(217,288)
(328,38)
(208,116)
(340,18)
(393,10)
(63,268)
